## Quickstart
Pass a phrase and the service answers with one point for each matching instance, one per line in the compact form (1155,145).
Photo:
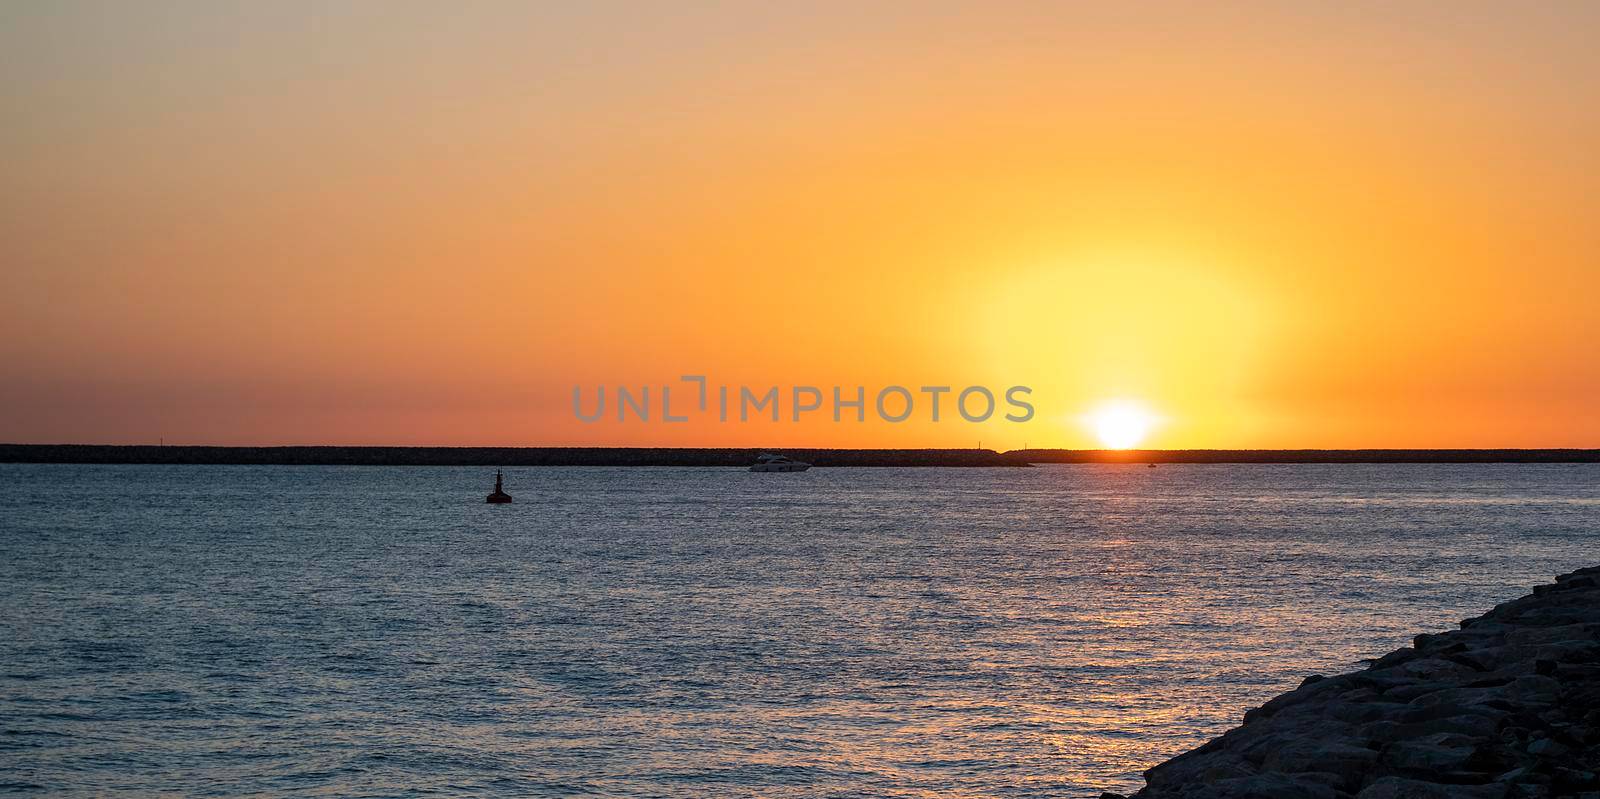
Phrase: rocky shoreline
(1507,706)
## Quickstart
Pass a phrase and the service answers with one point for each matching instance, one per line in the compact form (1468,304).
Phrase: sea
(689,632)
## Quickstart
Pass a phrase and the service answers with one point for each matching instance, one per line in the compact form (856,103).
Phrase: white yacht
(778,463)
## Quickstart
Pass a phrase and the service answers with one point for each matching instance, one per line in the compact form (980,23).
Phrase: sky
(1263,225)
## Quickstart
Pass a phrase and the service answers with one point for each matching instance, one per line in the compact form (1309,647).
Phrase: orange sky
(1275,224)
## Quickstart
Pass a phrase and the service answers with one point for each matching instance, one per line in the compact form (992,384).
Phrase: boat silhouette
(778,463)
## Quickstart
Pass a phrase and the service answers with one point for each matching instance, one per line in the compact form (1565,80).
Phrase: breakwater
(488,456)
(707,456)
(1506,707)
(1307,455)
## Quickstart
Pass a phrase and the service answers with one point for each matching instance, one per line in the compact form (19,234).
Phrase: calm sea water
(711,632)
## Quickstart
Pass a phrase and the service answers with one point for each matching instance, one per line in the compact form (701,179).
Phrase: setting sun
(1121,424)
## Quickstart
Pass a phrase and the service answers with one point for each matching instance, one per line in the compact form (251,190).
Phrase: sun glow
(1120,424)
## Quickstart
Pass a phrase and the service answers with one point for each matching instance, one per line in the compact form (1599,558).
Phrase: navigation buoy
(499,497)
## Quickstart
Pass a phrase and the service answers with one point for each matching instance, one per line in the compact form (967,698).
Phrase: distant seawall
(1508,706)
(1307,455)
(488,456)
(700,456)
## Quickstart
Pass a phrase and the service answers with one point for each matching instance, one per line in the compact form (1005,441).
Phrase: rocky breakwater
(1506,706)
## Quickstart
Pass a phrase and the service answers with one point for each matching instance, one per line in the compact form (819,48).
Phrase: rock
(1477,725)
(1426,757)
(1507,706)
(1327,778)
(1270,786)
(1395,658)
(1408,691)
(1359,709)
(1349,763)
(1198,767)
(1447,702)
(1578,651)
(1573,779)
(1546,747)
(1401,788)
(1528,791)
(1514,775)
(1434,669)
(1533,689)
(1305,693)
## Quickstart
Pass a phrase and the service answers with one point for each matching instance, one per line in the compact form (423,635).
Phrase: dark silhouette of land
(640,456)
(1307,455)
(490,456)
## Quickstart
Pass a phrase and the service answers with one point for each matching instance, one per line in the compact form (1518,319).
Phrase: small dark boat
(778,463)
(499,497)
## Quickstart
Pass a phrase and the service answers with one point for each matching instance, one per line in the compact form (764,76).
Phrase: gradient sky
(1276,224)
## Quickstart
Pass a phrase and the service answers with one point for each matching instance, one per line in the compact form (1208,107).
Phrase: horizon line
(512,456)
